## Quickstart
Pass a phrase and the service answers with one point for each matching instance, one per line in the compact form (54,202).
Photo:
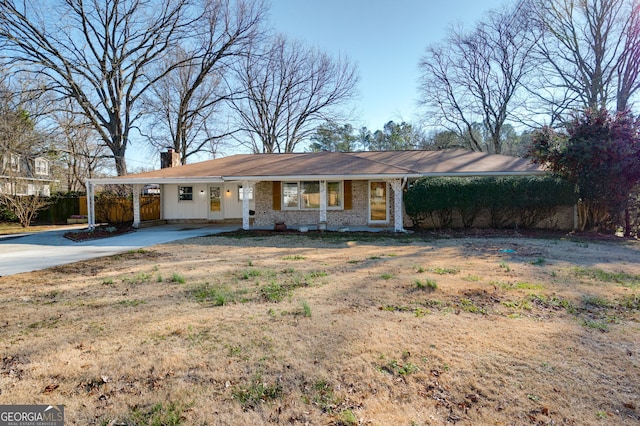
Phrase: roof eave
(122,180)
(220,179)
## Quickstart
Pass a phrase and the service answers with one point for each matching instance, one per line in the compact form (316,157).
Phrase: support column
(245,205)
(396,185)
(136,205)
(323,204)
(91,212)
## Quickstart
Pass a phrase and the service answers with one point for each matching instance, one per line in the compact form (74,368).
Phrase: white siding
(172,208)
(198,208)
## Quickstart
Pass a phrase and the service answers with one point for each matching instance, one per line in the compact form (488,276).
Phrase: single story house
(324,189)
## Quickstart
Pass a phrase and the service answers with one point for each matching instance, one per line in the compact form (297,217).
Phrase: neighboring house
(23,175)
(332,189)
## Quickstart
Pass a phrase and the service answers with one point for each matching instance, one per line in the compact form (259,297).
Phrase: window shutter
(277,199)
(348,195)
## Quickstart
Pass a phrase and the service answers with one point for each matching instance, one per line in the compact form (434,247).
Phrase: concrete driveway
(43,250)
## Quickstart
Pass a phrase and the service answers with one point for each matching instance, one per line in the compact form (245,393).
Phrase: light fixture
(202,191)
(228,191)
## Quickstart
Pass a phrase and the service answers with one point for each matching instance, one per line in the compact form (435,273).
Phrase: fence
(115,209)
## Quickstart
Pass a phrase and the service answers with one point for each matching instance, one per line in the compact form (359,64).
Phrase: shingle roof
(378,163)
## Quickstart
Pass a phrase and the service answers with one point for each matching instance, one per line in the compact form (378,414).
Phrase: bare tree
(628,72)
(289,90)
(19,143)
(96,52)
(590,53)
(185,100)
(79,149)
(472,82)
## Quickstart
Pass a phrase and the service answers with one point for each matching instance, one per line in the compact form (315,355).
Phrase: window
(305,195)
(11,162)
(185,193)
(334,195)
(240,193)
(310,191)
(290,195)
(42,166)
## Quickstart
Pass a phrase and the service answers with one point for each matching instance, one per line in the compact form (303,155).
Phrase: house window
(42,166)
(12,162)
(334,195)
(305,195)
(290,195)
(310,191)
(240,193)
(185,193)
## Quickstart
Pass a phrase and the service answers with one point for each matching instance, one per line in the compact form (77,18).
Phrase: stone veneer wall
(266,217)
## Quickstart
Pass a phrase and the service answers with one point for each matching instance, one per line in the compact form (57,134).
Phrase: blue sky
(384,38)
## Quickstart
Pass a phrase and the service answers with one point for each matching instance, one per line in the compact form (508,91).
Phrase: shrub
(509,201)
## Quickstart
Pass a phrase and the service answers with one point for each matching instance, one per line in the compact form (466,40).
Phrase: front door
(378,203)
(215,203)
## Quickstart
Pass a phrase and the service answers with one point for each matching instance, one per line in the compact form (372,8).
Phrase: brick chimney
(170,158)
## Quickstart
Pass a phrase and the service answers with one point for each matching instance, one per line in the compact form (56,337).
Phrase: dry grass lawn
(340,330)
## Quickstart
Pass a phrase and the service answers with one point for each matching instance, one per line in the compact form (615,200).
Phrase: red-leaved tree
(600,154)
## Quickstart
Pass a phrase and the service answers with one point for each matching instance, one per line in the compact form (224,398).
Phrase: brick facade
(265,216)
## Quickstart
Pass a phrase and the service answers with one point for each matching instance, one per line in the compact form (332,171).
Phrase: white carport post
(245,204)
(91,211)
(323,203)
(136,205)
(396,185)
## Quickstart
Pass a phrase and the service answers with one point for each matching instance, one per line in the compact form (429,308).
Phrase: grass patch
(133,303)
(599,325)
(306,309)
(469,305)
(520,285)
(396,368)
(168,414)
(472,278)
(348,418)
(215,295)
(274,292)
(250,273)
(386,276)
(596,302)
(539,261)
(395,308)
(622,278)
(444,271)
(294,257)
(256,393)
(427,284)
(553,302)
(630,302)
(139,278)
(322,396)
(177,278)
(523,304)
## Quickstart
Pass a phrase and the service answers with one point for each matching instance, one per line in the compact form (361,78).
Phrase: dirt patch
(332,328)
(96,233)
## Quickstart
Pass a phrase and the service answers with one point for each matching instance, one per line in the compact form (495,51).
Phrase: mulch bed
(97,233)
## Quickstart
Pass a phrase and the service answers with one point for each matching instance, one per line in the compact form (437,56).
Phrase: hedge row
(508,201)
